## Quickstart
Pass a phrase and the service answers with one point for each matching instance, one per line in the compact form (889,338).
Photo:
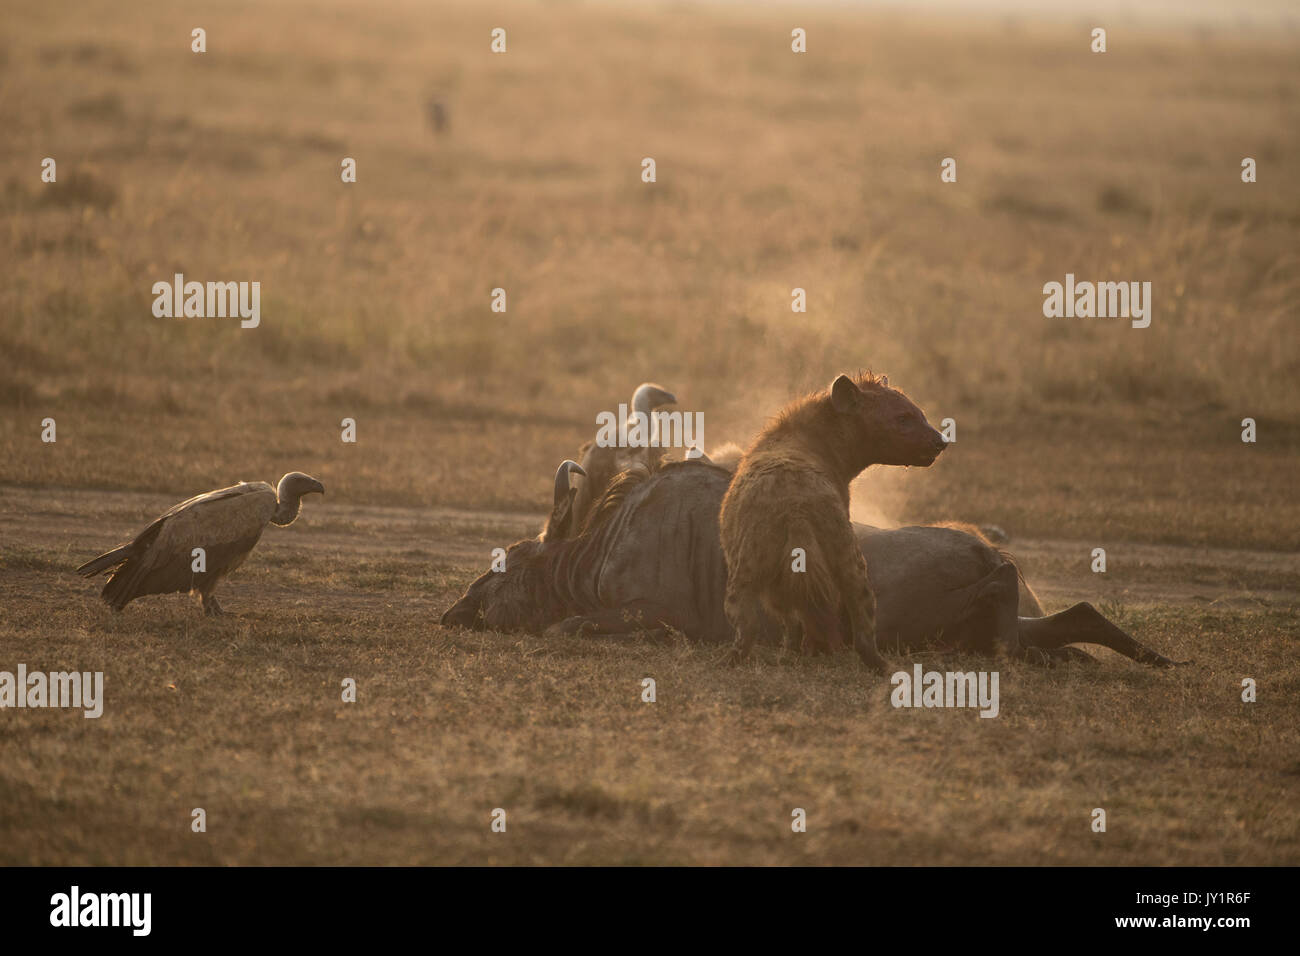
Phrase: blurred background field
(775,170)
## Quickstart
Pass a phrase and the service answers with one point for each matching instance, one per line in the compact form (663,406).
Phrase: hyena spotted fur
(791,490)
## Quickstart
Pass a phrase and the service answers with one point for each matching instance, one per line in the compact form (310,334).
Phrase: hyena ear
(845,395)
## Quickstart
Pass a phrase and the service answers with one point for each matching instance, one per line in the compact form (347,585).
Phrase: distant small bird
(225,524)
(435,111)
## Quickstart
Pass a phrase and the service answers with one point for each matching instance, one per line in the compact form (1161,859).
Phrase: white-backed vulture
(225,523)
(601,464)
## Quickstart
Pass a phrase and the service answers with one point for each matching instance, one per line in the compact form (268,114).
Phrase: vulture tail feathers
(121,587)
(129,560)
(111,559)
(104,562)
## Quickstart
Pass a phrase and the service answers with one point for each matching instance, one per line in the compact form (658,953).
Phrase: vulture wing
(600,462)
(225,523)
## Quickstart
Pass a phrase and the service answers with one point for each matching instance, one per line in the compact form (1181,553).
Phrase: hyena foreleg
(860,602)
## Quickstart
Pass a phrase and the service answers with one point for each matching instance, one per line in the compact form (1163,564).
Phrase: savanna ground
(774,171)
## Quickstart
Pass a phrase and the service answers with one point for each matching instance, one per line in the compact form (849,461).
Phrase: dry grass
(243,718)
(775,171)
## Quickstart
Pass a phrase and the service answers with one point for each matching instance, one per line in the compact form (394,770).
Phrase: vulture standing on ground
(601,464)
(225,523)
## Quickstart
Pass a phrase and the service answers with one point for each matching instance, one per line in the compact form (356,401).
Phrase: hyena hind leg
(792,634)
(823,631)
(744,611)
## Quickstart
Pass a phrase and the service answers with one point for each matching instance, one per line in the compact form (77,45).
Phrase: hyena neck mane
(811,428)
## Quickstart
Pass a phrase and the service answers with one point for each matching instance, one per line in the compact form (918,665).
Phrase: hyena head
(885,422)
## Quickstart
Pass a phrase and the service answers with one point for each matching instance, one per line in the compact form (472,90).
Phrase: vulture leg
(211,607)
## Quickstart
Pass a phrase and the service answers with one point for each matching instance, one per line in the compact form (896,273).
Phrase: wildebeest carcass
(650,559)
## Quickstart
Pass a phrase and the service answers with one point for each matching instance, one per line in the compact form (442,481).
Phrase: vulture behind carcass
(225,523)
(601,464)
